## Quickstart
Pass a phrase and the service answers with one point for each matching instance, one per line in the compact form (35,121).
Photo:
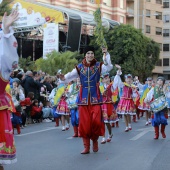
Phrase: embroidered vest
(89,90)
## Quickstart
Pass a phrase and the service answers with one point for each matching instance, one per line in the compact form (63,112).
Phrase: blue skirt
(159,118)
(55,113)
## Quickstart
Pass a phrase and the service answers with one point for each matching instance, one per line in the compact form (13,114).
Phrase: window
(159,1)
(106,15)
(92,1)
(158,31)
(166,32)
(148,0)
(121,19)
(166,62)
(166,18)
(159,15)
(166,47)
(148,13)
(166,3)
(122,4)
(159,63)
(148,29)
(160,46)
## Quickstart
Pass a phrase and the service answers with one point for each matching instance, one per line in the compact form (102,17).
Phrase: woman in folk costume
(108,111)
(63,110)
(54,99)
(126,104)
(8,62)
(89,98)
(159,108)
(72,104)
(146,106)
(167,94)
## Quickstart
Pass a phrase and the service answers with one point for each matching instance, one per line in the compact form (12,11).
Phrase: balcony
(130,12)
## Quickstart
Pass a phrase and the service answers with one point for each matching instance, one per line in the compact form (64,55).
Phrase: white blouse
(8,54)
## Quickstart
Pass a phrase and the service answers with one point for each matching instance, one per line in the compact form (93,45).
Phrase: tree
(55,61)
(136,53)
(27,64)
(4,7)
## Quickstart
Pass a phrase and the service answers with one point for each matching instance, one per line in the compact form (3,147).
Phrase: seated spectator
(36,112)
(47,112)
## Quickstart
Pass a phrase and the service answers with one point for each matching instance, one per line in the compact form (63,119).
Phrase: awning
(87,19)
(33,14)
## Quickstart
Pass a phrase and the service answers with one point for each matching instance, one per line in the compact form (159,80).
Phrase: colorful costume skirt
(7,145)
(126,106)
(62,108)
(109,113)
(159,118)
(144,106)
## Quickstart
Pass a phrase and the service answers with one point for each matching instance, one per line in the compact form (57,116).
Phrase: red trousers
(90,122)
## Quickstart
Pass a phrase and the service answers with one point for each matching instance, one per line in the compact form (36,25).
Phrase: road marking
(144,131)
(39,131)
(70,138)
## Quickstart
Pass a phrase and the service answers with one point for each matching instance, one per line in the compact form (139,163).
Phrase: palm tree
(4,7)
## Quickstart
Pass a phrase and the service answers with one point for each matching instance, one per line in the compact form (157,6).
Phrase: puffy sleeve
(8,54)
(70,76)
(107,66)
(149,96)
(117,81)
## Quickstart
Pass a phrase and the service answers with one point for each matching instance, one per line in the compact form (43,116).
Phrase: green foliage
(4,7)
(99,30)
(27,64)
(136,53)
(55,61)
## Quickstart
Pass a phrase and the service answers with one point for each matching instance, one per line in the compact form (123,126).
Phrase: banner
(51,39)
(31,14)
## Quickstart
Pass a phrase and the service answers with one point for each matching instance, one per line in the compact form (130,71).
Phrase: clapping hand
(9,20)
(118,67)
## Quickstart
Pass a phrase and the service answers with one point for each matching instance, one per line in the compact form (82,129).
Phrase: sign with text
(51,39)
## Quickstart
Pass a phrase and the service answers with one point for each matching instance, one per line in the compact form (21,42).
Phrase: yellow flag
(98,2)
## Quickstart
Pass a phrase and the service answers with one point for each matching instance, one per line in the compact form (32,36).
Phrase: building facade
(166,39)
(151,16)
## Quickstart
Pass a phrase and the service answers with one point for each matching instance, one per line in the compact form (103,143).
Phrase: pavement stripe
(39,131)
(139,135)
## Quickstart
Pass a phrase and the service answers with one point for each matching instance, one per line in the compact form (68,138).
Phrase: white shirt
(73,74)
(8,54)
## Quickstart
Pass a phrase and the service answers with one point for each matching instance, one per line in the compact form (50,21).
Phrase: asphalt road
(45,147)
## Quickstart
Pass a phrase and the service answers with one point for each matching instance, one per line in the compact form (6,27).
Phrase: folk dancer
(126,104)
(108,111)
(167,95)
(72,104)
(8,62)
(146,106)
(158,117)
(89,98)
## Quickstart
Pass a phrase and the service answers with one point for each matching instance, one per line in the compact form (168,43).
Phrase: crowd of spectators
(30,91)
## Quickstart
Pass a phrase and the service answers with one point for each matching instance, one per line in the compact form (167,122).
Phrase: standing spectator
(46,82)
(29,84)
